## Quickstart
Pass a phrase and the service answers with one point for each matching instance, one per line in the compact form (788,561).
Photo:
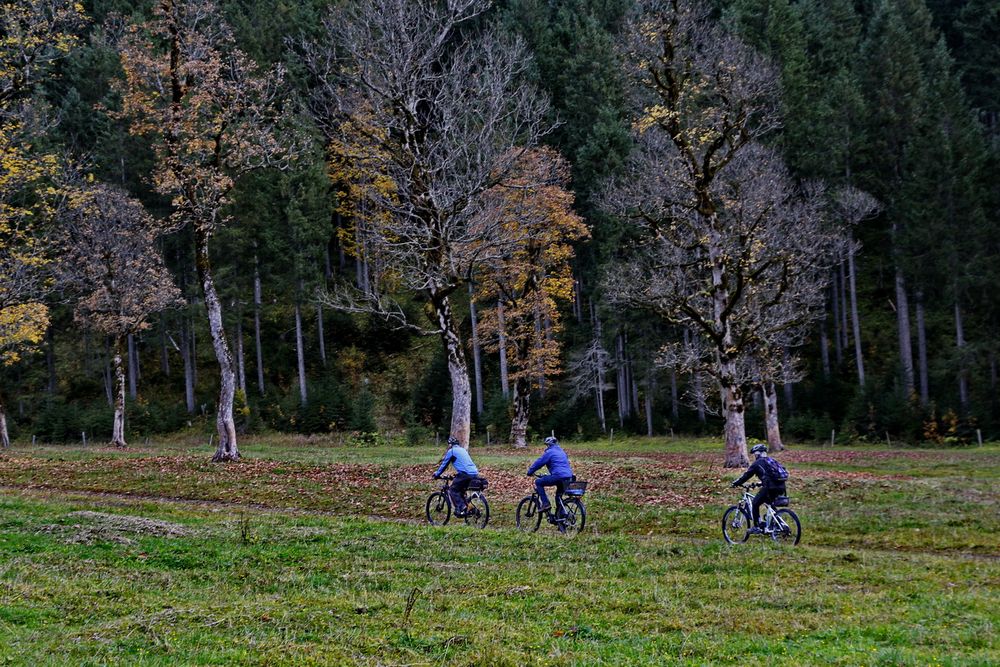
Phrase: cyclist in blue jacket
(772,477)
(465,472)
(559,475)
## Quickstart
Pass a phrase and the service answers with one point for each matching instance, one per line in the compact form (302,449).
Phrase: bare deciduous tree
(727,237)
(109,256)
(429,110)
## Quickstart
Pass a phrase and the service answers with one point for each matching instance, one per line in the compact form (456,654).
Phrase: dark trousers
(765,495)
(459,486)
(550,480)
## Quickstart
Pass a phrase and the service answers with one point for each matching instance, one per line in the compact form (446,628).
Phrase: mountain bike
(570,515)
(782,525)
(477,509)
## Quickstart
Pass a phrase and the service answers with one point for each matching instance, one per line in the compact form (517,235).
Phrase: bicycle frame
(772,522)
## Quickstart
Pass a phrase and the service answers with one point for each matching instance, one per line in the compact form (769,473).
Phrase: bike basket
(478,484)
(780,501)
(576,488)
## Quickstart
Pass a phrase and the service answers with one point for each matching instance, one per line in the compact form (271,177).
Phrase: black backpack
(775,471)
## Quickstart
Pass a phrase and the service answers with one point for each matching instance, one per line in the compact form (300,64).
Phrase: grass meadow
(309,552)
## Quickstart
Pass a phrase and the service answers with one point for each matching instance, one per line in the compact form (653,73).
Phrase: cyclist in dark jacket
(465,472)
(559,475)
(772,476)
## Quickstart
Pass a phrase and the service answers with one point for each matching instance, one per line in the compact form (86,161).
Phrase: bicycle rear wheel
(477,511)
(787,530)
(438,509)
(575,519)
(735,525)
(528,516)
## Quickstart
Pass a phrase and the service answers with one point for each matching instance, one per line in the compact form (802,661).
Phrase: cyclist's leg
(758,500)
(540,484)
(560,490)
(458,487)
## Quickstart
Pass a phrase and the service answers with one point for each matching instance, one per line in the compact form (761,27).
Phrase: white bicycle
(781,525)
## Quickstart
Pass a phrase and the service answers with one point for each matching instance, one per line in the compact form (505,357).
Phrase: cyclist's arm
(448,456)
(542,460)
(751,471)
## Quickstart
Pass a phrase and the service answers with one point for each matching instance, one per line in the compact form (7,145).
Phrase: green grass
(312,553)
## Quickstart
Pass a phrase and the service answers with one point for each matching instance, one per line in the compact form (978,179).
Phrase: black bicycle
(782,525)
(477,509)
(569,517)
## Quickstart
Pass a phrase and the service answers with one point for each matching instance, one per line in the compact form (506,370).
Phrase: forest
(386,219)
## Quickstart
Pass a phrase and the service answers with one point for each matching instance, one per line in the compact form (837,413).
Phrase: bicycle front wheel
(477,511)
(735,525)
(528,516)
(575,518)
(787,530)
(438,509)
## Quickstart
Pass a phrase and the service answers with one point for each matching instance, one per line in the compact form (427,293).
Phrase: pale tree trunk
(226,426)
(855,319)
(164,353)
(771,417)
(4,433)
(476,353)
(905,346)
(925,394)
(241,375)
(519,424)
(458,369)
(187,353)
(256,325)
(109,383)
(504,376)
(132,368)
(118,428)
(300,355)
(963,380)
(843,305)
(319,325)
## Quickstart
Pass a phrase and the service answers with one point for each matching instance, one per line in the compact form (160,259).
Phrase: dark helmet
(551,440)
(759,449)
(453,441)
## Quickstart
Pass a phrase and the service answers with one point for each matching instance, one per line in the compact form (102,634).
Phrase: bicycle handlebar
(447,478)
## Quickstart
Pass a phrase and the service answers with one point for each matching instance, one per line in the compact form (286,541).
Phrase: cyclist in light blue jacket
(465,472)
(560,472)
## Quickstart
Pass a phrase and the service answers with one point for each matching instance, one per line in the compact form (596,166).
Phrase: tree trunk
(905,346)
(256,325)
(4,434)
(735,431)
(504,377)
(132,368)
(322,336)
(843,305)
(771,418)
(50,360)
(855,319)
(458,369)
(963,380)
(300,356)
(519,424)
(788,387)
(118,428)
(476,353)
(925,397)
(241,375)
(675,408)
(227,449)
(109,382)
(187,352)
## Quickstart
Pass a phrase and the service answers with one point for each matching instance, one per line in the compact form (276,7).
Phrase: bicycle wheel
(575,519)
(787,530)
(735,525)
(438,509)
(477,511)
(528,516)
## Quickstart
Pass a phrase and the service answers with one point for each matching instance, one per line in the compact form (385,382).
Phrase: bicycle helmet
(759,449)
(453,441)
(551,440)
